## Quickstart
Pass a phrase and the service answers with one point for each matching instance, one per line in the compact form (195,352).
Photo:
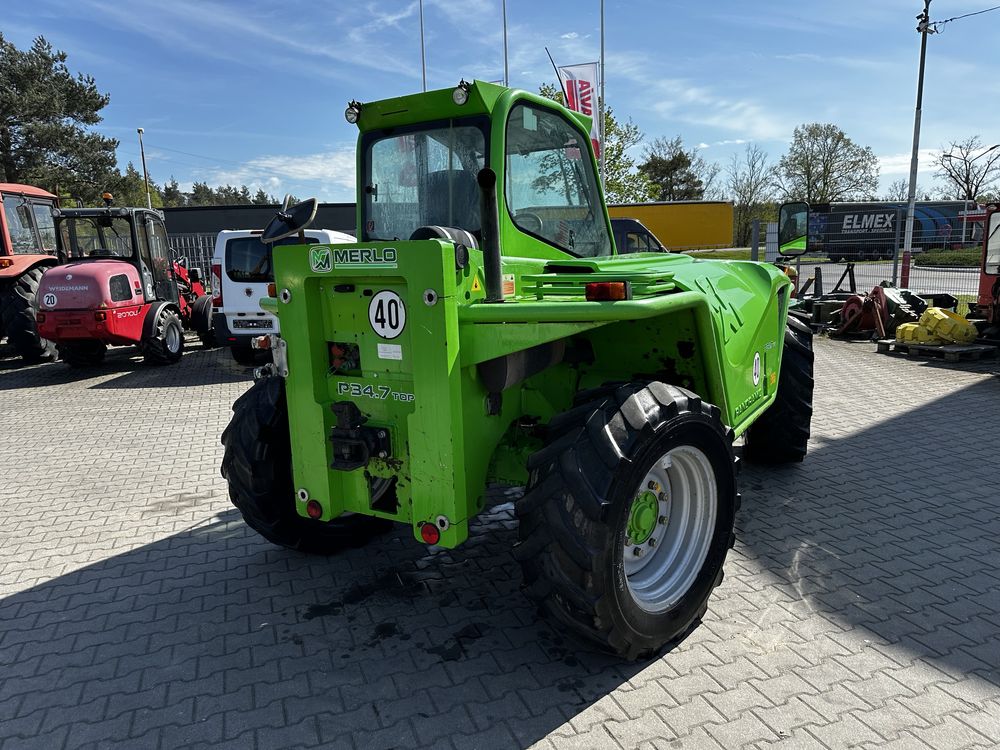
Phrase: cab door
(161,260)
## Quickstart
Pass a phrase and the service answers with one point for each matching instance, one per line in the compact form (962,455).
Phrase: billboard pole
(923,26)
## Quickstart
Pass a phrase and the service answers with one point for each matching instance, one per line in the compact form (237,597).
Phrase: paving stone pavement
(861,605)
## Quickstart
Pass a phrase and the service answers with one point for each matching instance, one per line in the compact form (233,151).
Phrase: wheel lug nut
(653,485)
(662,497)
(638,552)
(662,520)
(652,542)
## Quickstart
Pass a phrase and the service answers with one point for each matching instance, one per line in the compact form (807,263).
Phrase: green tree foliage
(824,165)
(172,195)
(45,111)
(622,183)
(677,174)
(129,189)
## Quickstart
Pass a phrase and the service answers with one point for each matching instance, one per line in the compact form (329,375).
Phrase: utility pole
(506,72)
(145,174)
(600,113)
(923,26)
(423,61)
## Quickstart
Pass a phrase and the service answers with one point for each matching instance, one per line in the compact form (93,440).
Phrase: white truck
(241,271)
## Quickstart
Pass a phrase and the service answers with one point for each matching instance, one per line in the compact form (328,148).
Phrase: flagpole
(600,129)
(423,61)
(506,74)
(558,78)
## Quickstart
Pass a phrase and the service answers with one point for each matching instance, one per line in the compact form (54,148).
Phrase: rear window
(249,259)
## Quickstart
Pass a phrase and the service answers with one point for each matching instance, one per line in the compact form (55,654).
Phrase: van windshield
(249,260)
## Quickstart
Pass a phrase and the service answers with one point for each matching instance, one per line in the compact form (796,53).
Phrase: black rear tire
(18,305)
(781,434)
(166,344)
(84,353)
(201,321)
(257,463)
(574,515)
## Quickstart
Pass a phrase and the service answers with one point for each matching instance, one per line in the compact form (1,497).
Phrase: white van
(241,271)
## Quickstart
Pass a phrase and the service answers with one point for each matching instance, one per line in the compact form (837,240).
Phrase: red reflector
(607,291)
(430,533)
(40,317)
(314,509)
(262,342)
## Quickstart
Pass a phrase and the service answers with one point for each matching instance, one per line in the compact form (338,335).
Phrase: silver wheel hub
(172,337)
(661,567)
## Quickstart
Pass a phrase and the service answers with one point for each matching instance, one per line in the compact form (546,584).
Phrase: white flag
(580,84)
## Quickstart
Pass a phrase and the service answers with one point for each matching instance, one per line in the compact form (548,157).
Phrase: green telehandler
(483,330)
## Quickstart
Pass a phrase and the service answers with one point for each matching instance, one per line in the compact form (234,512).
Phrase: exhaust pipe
(489,210)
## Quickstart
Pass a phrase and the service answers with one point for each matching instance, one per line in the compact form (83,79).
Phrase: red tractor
(120,286)
(986,311)
(28,245)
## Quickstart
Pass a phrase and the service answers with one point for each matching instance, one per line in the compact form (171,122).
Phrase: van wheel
(201,321)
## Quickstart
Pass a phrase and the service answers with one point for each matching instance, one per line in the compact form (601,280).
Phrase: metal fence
(865,241)
(196,248)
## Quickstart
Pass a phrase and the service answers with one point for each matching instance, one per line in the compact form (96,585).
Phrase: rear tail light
(314,509)
(6,262)
(430,533)
(260,342)
(272,290)
(39,317)
(608,291)
(100,316)
(216,285)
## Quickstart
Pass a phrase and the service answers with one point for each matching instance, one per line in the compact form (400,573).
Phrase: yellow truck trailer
(683,225)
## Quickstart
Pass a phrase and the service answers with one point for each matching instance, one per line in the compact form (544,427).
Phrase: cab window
(550,185)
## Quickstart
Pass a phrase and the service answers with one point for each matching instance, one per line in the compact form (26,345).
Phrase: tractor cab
(133,236)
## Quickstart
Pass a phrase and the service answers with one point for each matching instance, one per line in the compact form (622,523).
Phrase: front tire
(644,462)
(781,434)
(166,344)
(257,463)
(84,353)
(18,305)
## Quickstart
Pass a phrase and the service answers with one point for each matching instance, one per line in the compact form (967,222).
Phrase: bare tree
(750,183)
(969,168)
(899,190)
(824,165)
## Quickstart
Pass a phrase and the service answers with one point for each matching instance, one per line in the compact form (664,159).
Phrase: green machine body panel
(395,341)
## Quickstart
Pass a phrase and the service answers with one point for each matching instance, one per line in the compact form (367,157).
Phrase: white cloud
(893,164)
(570,35)
(328,175)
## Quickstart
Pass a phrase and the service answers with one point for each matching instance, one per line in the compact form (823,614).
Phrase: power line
(936,24)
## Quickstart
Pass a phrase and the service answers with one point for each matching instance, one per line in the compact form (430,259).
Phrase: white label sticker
(390,351)
(387,314)
(49,300)
(756,369)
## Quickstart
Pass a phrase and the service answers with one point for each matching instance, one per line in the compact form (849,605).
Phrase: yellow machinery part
(948,326)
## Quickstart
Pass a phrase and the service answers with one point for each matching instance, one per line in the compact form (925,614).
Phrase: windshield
(96,237)
(29,224)
(249,260)
(423,178)
(993,245)
(551,189)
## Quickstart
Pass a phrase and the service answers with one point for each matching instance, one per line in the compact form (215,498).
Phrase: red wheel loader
(120,286)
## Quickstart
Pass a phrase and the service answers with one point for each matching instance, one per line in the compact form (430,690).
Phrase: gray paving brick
(857,607)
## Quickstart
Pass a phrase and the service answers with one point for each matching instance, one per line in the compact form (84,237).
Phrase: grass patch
(957,258)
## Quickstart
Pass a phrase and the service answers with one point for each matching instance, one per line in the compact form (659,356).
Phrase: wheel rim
(665,549)
(173,339)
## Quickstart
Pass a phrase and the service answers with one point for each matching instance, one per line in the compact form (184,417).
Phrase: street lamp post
(145,174)
(923,26)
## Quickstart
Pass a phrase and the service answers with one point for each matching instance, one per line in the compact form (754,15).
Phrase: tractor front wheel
(85,353)
(628,517)
(18,305)
(781,434)
(257,463)
(166,344)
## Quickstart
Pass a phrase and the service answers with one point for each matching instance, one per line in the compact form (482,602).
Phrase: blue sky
(254,91)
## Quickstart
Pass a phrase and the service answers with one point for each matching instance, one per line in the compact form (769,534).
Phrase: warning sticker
(476,286)
(390,351)
(756,368)
(508,284)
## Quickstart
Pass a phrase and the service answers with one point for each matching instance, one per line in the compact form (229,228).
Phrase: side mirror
(793,229)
